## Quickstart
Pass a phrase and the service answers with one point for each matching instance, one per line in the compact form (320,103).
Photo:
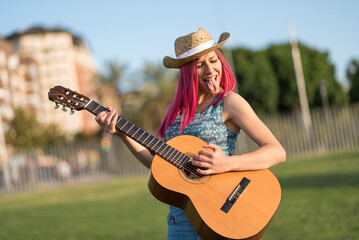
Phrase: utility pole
(307,121)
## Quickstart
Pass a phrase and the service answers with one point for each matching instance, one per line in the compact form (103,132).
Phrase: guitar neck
(144,138)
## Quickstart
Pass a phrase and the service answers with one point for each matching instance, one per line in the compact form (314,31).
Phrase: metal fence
(333,130)
(336,129)
(70,164)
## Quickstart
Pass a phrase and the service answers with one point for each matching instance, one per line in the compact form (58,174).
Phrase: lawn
(320,200)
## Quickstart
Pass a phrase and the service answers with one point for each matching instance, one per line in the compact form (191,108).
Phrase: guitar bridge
(235,195)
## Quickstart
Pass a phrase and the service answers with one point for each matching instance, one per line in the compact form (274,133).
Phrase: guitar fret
(171,152)
(146,138)
(150,142)
(139,138)
(92,106)
(123,122)
(87,104)
(119,124)
(102,109)
(129,129)
(161,151)
(133,131)
(177,159)
(138,129)
(183,160)
(169,155)
(154,144)
(178,155)
(118,120)
(96,108)
(124,125)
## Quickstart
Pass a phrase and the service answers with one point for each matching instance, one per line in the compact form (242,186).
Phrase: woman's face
(209,71)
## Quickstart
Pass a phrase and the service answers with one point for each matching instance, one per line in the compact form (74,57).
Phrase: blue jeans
(179,227)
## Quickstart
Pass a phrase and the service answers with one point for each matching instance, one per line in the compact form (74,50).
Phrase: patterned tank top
(207,125)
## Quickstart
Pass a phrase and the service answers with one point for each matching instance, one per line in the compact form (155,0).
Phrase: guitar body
(203,197)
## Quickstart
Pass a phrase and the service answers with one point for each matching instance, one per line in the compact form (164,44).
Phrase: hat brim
(177,63)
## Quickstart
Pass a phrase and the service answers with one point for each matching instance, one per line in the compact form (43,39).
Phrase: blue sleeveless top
(207,125)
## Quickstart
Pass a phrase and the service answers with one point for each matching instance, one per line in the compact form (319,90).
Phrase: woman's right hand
(107,120)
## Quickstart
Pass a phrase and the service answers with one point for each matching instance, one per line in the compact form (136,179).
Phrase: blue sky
(134,32)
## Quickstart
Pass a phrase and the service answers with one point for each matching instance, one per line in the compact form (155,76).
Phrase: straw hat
(192,46)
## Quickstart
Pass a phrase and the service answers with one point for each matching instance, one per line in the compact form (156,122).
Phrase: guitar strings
(127,130)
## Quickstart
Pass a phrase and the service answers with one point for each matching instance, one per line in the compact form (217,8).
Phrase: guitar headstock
(67,98)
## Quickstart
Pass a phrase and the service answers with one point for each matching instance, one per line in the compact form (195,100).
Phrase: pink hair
(185,101)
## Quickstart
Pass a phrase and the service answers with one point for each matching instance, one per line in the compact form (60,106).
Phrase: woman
(205,106)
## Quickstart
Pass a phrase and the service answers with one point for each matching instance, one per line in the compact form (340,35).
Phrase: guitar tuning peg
(56,104)
(64,109)
(72,111)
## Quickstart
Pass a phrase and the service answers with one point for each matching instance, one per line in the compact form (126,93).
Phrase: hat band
(197,49)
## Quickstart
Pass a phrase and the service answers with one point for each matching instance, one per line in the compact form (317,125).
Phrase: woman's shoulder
(233,97)
(235,102)
(237,111)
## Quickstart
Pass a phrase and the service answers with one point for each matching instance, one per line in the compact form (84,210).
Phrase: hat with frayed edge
(193,46)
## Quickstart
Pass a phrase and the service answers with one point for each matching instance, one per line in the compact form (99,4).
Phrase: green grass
(320,200)
(118,209)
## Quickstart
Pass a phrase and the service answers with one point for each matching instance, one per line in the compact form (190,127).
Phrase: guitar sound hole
(189,173)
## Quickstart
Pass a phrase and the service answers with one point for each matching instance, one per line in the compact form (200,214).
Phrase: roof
(41,30)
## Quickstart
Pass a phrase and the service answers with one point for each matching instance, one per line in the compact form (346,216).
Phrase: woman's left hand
(211,162)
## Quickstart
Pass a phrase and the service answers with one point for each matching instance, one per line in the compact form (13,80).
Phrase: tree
(256,79)
(154,96)
(113,73)
(317,67)
(280,59)
(353,77)
(109,92)
(267,78)
(24,131)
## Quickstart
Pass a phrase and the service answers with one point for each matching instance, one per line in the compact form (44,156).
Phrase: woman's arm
(107,121)
(238,114)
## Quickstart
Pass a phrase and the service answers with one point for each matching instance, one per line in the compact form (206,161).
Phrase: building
(8,78)
(48,57)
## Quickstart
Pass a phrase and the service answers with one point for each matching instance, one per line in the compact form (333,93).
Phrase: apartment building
(47,57)
(8,78)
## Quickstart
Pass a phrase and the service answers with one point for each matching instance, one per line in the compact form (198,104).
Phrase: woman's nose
(208,68)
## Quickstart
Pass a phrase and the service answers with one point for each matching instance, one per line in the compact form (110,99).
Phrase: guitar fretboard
(144,138)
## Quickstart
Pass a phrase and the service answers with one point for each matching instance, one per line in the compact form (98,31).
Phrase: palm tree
(155,95)
(109,93)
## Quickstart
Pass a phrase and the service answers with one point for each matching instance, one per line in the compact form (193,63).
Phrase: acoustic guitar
(232,205)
